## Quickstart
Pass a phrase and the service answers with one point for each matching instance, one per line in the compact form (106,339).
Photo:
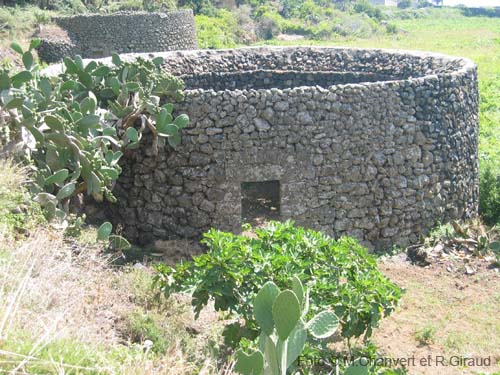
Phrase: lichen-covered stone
(377,144)
(99,35)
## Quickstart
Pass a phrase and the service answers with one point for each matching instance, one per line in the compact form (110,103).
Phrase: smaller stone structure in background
(96,35)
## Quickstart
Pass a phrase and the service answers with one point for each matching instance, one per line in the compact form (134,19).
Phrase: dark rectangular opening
(260,202)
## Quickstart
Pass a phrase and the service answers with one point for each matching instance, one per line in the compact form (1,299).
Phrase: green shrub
(216,32)
(403,4)
(489,194)
(372,11)
(340,275)
(391,28)
(140,327)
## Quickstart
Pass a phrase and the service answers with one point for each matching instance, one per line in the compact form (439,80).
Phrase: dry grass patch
(443,314)
(65,313)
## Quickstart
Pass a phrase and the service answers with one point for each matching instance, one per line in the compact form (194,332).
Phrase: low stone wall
(94,35)
(381,161)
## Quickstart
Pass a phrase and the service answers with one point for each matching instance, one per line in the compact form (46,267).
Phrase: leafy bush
(216,32)
(340,275)
(369,9)
(76,126)
(267,27)
(140,327)
(403,4)
(489,194)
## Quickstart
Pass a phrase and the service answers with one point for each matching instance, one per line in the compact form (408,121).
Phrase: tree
(403,4)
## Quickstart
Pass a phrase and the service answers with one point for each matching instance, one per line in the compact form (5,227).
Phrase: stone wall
(94,35)
(382,161)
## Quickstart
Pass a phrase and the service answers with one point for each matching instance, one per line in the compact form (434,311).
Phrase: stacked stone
(52,51)
(95,35)
(381,161)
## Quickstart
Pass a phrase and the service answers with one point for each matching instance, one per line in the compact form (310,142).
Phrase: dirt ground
(447,314)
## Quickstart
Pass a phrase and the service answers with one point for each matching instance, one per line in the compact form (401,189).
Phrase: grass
(17,215)
(425,335)
(18,23)
(69,312)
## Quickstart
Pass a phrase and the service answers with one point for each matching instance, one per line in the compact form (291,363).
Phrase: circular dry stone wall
(376,144)
(99,35)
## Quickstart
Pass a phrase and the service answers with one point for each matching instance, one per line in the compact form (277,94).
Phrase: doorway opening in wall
(260,202)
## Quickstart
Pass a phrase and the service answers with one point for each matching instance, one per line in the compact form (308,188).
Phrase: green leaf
(110,132)
(174,140)
(161,117)
(27,60)
(107,93)
(169,107)
(14,103)
(102,71)
(86,79)
(50,211)
(110,173)
(35,43)
(323,325)
(132,86)
(116,59)
(104,231)
(495,246)
(66,191)
(158,61)
(37,134)
(71,67)
(286,313)
(89,121)
(115,85)
(263,306)
(16,47)
(249,364)
(166,130)
(60,214)
(296,343)
(54,123)
(132,134)
(4,81)
(90,68)
(298,289)
(57,177)
(45,87)
(272,366)
(68,85)
(119,243)
(93,183)
(357,368)
(181,121)
(45,199)
(79,62)
(21,77)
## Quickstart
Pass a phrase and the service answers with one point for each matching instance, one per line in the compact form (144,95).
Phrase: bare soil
(445,312)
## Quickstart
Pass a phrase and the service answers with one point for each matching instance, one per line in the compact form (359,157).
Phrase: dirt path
(443,314)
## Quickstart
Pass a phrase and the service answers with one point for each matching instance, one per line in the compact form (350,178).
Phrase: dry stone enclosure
(376,144)
(97,35)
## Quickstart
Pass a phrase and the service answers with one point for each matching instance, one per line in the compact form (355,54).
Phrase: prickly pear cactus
(280,315)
